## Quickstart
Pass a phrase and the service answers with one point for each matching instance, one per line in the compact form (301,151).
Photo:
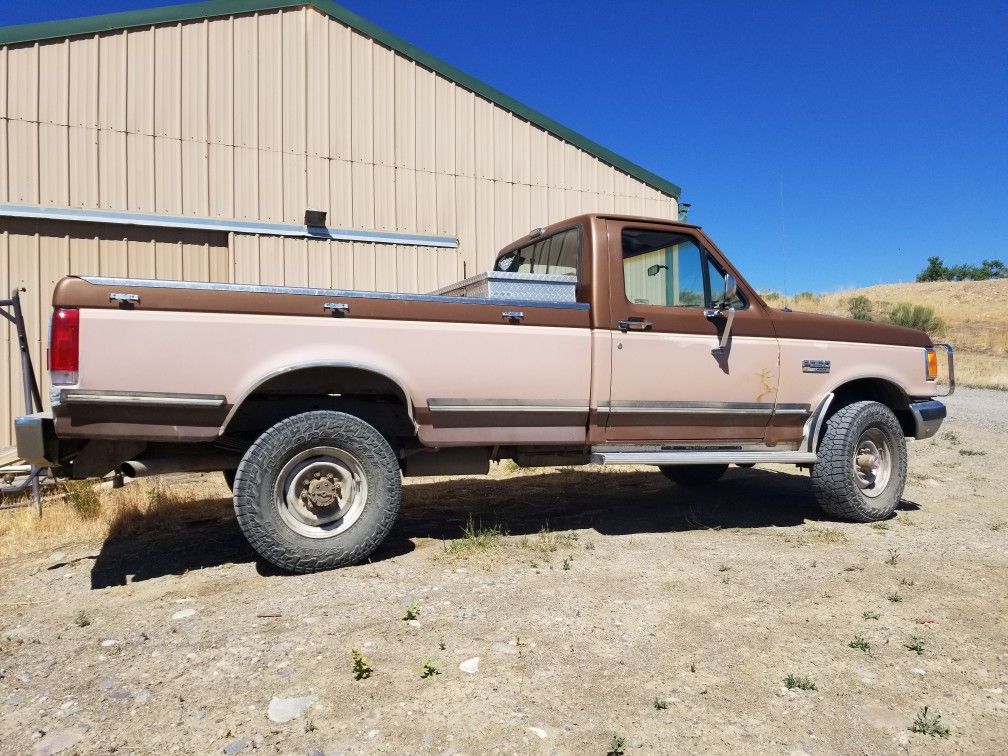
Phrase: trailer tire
(229,478)
(862,463)
(693,475)
(317,491)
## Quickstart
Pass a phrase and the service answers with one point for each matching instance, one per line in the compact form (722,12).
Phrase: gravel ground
(616,603)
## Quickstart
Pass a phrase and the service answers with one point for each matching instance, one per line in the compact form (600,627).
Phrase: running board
(705,457)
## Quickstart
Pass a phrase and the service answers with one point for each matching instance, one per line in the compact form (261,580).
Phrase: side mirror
(730,290)
(653,269)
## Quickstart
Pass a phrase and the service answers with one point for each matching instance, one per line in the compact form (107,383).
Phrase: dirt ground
(616,603)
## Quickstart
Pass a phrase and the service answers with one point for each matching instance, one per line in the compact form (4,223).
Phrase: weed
(412,611)
(724,568)
(660,703)
(476,538)
(880,525)
(617,745)
(83,498)
(824,535)
(998,525)
(972,453)
(725,580)
(309,726)
(590,546)
(567,562)
(82,620)
(442,646)
(895,597)
(916,644)
(801,682)
(929,725)
(871,615)
(860,643)
(692,667)
(509,466)
(361,665)
(429,668)
(907,582)
(853,568)
(893,557)
(951,437)
(548,541)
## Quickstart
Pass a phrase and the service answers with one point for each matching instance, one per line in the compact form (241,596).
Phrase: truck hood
(807,325)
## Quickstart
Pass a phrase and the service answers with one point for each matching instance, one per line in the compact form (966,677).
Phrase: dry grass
(142,506)
(975,322)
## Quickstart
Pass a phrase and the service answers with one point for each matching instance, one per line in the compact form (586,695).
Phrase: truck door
(671,378)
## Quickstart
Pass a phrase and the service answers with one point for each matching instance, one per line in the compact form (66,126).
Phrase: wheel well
(875,390)
(371,396)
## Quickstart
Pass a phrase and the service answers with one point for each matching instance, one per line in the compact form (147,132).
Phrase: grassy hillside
(974,313)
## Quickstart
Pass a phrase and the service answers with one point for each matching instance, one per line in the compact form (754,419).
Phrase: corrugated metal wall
(260,116)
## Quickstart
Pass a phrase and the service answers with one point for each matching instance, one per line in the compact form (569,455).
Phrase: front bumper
(36,439)
(927,417)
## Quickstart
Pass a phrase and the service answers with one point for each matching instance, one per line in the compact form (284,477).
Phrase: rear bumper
(927,417)
(36,439)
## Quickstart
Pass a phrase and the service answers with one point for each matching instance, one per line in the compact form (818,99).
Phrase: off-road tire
(833,479)
(693,475)
(229,478)
(258,511)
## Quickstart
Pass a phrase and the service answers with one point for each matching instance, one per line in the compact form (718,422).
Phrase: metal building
(187,142)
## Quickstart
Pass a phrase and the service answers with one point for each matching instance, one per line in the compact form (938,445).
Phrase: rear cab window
(557,254)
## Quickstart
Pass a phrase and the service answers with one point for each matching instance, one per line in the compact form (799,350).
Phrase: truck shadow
(439,510)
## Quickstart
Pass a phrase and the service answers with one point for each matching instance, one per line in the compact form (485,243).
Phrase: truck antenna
(783,245)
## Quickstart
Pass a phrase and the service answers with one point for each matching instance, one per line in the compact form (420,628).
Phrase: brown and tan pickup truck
(603,338)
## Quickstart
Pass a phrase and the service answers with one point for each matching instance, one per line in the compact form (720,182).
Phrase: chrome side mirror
(730,290)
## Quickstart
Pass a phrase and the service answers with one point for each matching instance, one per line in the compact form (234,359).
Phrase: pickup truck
(647,349)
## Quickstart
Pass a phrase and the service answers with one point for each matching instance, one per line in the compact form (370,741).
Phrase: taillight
(932,364)
(64,346)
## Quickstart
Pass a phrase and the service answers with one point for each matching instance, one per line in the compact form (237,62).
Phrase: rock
(237,746)
(183,614)
(505,648)
(57,556)
(56,742)
(109,642)
(413,623)
(470,666)
(918,671)
(539,732)
(285,709)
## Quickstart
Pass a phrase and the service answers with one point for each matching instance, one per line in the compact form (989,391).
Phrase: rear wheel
(862,463)
(317,491)
(693,475)
(229,478)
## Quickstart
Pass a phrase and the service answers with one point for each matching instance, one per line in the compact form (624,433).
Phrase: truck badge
(815,366)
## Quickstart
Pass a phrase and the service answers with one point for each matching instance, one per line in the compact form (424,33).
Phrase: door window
(663,268)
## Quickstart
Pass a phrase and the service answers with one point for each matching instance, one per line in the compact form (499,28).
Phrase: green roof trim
(194,11)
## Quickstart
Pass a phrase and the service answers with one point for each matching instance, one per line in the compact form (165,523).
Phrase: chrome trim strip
(502,405)
(143,283)
(148,399)
(227,225)
(700,457)
(692,408)
(810,431)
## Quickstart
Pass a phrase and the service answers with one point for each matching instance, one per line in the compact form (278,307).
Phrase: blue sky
(886,124)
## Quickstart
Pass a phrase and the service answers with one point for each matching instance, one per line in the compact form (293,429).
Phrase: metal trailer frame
(11,310)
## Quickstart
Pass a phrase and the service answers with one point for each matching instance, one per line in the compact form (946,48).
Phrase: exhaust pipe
(180,463)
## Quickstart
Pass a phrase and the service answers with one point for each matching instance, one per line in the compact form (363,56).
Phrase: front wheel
(317,491)
(862,463)
(693,475)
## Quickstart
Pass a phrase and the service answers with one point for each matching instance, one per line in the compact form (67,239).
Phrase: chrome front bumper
(927,417)
(36,439)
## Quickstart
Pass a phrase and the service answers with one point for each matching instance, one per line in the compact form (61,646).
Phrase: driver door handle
(635,324)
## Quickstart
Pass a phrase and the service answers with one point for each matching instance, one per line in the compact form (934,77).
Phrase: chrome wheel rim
(872,463)
(321,492)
